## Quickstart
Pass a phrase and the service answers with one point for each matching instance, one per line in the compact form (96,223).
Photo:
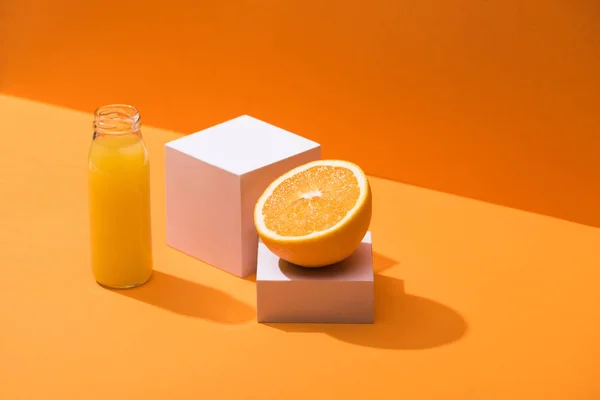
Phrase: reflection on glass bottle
(119,199)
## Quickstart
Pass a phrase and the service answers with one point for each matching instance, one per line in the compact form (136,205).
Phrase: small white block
(214,178)
(340,293)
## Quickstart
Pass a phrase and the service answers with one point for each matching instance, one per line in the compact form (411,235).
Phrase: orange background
(494,100)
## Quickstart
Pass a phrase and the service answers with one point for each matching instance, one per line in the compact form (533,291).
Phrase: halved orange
(316,214)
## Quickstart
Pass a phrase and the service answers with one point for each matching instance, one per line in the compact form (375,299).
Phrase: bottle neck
(117,120)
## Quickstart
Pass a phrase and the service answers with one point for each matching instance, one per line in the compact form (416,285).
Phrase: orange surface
(473,300)
(494,100)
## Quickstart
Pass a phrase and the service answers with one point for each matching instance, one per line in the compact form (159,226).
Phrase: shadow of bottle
(190,299)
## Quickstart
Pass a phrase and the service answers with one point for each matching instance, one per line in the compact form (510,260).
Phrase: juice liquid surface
(119,205)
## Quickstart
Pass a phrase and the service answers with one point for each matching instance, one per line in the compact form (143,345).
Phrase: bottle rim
(117,119)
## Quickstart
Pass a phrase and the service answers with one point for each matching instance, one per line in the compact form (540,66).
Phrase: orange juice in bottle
(119,199)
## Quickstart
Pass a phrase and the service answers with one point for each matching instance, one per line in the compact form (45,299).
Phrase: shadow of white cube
(339,293)
(214,178)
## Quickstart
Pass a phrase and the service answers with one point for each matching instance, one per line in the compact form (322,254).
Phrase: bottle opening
(117,119)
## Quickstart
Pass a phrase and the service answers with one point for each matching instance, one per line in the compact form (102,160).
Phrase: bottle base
(118,287)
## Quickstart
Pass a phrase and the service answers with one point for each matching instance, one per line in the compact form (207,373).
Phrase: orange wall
(497,100)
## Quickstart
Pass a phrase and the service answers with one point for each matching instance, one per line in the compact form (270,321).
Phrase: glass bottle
(119,199)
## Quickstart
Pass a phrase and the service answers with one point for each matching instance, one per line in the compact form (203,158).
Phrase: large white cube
(214,178)
(339,293)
